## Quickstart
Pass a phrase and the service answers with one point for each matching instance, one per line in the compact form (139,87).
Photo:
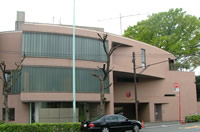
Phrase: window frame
(11,115)
(143,58)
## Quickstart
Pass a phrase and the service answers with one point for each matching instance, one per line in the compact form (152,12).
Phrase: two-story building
(43,93)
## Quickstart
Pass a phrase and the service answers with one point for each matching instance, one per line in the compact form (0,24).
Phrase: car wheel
(105,129)
(136,128)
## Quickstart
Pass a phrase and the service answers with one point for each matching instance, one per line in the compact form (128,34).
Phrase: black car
(111,123)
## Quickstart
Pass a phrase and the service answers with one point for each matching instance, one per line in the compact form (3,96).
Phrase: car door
(124,123)
(112,122)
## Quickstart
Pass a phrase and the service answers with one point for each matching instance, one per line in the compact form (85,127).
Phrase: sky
(93,13)
(90,12)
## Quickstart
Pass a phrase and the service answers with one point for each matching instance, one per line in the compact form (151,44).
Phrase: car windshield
(97,118)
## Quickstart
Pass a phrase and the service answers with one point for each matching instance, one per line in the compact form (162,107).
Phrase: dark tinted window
(111,118)
(143,58)
(98,118)
(11,114)
(121,118)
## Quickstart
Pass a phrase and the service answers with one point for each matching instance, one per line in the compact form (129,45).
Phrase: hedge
(41,127)
(1,122)
(192,118)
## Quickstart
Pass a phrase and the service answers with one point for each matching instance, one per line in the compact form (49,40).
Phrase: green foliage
(173,31)
(41,127)
(1,122)
(193,118)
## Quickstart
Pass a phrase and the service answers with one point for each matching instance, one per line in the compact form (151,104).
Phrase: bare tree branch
(108,86)
(17,69)
(99,68)
(103,40)
(109,71)
(113,49)
(1,67)
(97,76)
(4,66)
(8,84)
(105,69)
(105,49)
(14,82)
(3,70)
(100,38)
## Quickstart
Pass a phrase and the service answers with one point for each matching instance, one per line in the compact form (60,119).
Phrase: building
(43,93)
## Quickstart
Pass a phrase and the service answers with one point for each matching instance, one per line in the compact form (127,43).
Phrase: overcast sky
(90,12)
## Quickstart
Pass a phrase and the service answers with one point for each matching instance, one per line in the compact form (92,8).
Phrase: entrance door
(158,112)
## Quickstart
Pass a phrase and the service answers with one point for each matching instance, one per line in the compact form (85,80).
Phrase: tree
(173,31)
(106,70)
(9,82)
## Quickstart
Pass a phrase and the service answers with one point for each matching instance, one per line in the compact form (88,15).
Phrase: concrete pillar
(30,112)
(37,110)
(151,112)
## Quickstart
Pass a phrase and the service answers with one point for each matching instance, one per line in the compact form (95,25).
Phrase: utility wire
(156,63)
(122,16)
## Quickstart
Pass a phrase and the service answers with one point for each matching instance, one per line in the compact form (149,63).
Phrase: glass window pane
(143,58)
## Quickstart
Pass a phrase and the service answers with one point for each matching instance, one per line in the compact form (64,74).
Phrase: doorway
(158,112)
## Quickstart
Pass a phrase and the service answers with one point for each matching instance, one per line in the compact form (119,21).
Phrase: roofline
(142,43)
(12,31)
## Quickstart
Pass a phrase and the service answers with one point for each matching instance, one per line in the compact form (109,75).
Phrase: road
(173,127)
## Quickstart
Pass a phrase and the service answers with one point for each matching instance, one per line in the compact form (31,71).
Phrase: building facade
(43,93)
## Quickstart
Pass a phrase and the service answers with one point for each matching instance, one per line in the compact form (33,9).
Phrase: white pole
(74,81)
(30,114)
(120,23)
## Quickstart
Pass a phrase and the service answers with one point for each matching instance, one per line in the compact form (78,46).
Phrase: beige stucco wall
(153,91)
(10,47)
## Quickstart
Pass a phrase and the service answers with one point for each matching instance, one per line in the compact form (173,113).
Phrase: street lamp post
(74,81)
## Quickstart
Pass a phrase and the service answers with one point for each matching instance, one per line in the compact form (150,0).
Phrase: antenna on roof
(120,18)
(53,20)
(60,21)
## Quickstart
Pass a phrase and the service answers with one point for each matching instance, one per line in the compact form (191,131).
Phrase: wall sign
(176,87)
(128,94)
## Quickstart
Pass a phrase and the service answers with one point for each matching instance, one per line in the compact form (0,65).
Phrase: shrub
(192,118)
(41,127)
(1,122)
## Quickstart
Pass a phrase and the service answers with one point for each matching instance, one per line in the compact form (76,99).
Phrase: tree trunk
(6,107)
(102,101)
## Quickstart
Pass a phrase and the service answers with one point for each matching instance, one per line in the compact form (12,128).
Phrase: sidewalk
(160,124)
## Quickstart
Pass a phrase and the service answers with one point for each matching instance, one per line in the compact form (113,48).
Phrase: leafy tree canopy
(174,31)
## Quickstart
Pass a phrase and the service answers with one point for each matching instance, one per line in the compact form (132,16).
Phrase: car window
(121,118)
(111,118)
(98,118)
